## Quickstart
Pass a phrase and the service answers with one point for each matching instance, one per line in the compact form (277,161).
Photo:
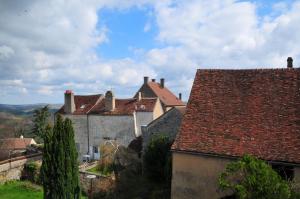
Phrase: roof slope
(14,143)
(83,104)
(126,106)
(165,95)
(237,112)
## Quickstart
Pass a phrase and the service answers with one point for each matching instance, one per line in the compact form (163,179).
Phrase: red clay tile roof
(14,143)
(237,112)
(165,95)
(83,103)
(126,106)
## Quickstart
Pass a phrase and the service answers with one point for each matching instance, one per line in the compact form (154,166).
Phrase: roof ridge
(245,69)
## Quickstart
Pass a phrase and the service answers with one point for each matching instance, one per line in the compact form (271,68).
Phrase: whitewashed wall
(142,119)
(120,128)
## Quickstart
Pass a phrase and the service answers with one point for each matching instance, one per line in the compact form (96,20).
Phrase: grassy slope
(20,190)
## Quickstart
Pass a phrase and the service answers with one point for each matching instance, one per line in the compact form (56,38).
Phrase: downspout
(88,132)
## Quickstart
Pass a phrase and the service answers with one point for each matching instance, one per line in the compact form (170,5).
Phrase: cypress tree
(60,166)
(47,168)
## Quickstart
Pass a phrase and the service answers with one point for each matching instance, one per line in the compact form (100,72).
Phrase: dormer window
(82,106)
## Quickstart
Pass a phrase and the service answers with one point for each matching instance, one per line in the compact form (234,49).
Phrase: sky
(47,47)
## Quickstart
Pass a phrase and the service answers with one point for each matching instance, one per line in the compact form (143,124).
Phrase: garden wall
(11,169)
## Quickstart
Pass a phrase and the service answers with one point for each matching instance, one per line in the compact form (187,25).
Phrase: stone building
(98,118)
(159,90)
(166,125)
(231,113)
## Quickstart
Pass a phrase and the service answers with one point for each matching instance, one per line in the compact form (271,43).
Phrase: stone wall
(168,125)
(142,119)
(100,183)
(80,124)
(119,128)
(196,176)
(12,169)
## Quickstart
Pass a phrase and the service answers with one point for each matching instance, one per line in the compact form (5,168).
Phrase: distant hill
(16,120)
(26,109)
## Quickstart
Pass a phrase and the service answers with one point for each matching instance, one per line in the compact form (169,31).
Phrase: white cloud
(6,52)
(50,45)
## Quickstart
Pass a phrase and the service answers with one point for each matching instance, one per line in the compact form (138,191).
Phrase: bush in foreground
(250,178)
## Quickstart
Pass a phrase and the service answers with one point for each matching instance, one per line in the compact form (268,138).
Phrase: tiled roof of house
(237,112)
(165,95)
(15,143)
(83,103)
(126,106)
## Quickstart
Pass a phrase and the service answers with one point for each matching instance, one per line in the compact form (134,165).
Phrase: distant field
(20,190)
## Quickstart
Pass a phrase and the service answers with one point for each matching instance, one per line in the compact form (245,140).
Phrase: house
(166,125)
(98,119)
(231,113)
(159,90)
(10,147)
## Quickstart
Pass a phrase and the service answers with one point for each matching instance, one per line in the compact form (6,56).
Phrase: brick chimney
(290,62)
(180,96)
(69,106)
(162,82)
(110,103)
(153,80)
(146,79)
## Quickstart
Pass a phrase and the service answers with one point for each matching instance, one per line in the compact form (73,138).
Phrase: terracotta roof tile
(83,103)
(14,143)
(236,112)
(165,95)
(126,106)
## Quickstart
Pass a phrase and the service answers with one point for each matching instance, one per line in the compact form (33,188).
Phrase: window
(95,149)
(82,106)
(286,172)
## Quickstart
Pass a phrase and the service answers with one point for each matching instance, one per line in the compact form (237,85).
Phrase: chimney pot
(180,96)
(290,62)
(153,80)
(146,79)
(162,82)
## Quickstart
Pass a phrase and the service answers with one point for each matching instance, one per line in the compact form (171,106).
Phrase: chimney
(153,80)
(180,96)
(139,97)
(290,62)
(162,82)
(69,106)
(109,101)
(146,79)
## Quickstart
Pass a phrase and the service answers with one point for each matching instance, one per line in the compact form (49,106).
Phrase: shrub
(157,159)
(31,172)
(250,178)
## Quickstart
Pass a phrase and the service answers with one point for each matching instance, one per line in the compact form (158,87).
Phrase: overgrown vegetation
(59,172)
(250,178)
(31,172)
(157,159)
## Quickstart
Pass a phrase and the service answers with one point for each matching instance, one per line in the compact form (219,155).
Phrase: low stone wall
(100,183)
(12,169)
